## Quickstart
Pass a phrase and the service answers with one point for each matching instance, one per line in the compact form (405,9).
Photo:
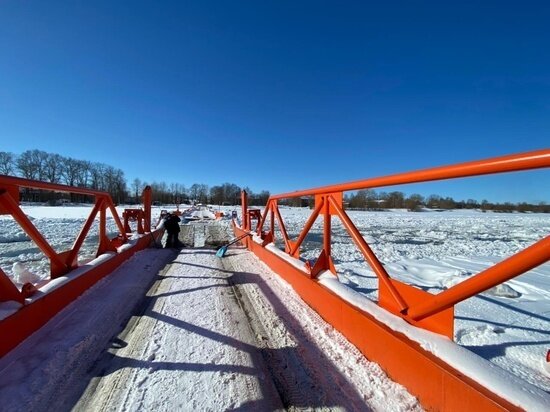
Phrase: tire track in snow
(327,370)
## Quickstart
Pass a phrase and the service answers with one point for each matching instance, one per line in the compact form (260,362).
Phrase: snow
(49,365)
(509,326)
(433,251)
(191,347)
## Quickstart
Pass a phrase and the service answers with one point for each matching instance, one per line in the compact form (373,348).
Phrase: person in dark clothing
(171,224)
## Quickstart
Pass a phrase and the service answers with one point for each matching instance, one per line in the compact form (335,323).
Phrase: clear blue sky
(280,95)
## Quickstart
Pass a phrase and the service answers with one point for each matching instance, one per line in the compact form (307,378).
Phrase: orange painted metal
(57,266)
(507,269)
(432,312)
(30,317)
(437,385)
(370,257)
(244,210)
(525,161)
(147,199)
(307,227)
(254,214)
(133,215)
(275,211)
(10,191)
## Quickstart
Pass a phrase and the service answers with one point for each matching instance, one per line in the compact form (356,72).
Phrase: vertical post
(146,198)
(244,206)
(272,217)
(327,230)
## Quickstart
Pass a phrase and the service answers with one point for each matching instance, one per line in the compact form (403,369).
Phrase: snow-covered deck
(210,334)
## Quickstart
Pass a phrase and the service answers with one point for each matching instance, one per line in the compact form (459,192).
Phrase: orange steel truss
(432,379)
(33,315)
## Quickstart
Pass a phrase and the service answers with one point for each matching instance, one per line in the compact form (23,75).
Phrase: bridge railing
(62,262)
(420,308)
(69,280)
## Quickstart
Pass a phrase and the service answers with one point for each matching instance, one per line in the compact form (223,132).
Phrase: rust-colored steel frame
(438,385)
(33,315)
(63,262)
(432,312)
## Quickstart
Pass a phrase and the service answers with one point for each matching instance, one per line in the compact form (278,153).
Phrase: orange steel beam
(244,209)
(327,228)
(307,227)
(264,216)
(272,221)
(114,213)
(34,184)
(281,225)
(525,161)
(57,266)
(369,255)
(84,231)
(15,328)
(437,385)
(515,265)
(147,200)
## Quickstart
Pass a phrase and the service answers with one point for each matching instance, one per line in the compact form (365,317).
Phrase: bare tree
(194,192)
(26,165)
(136,188)
(52,167)
(70,171)
(7,163)
(203,193)
(97,171)
(216,195)
(84,173)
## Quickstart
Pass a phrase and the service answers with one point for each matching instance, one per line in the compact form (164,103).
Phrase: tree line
(54,168)
(369,199)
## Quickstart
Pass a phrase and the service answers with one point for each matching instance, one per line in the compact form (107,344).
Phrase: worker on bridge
(171,224)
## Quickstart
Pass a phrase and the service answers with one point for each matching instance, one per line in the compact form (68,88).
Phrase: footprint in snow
(469,335)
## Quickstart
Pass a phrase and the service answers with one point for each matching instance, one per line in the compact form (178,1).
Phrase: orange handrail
(525,161)
(37,310)
(416,306)
(62,262)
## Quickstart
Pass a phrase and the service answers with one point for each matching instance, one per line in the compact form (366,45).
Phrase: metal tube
(244,208)
(507,269)
(262,220)
(147,196)
(369,255)
(84,231)
(524,161)
(327,229)
(116,217)
(307,226)
(32,231)
(281,225)
(17,181)
(272,223)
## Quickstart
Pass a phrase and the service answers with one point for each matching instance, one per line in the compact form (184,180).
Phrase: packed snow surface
(508,325)
(190,346)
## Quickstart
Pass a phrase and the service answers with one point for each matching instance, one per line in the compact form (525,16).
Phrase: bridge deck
(210,333)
